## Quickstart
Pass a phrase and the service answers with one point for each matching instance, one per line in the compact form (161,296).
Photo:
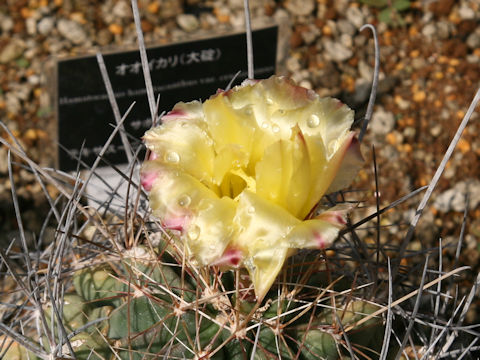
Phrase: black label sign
(180,72)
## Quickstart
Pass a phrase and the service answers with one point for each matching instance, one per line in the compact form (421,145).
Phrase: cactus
(155,315)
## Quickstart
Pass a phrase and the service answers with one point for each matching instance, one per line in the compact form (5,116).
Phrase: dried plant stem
(144,60)
(248,28)
(373,92)
(114,105)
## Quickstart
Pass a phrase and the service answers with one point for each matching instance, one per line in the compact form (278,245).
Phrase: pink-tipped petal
(232,257)
(153,156)
(175,223)
(336,218)
(313,234)
(174,115)
(320,240)
(147,179)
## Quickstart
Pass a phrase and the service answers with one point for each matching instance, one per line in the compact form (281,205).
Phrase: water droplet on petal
(184,200)
(275,128)
(236,163)
(264,125)
(172,157)
(194,232)
(269,101)
(209,141)
(251,210)
(313,121)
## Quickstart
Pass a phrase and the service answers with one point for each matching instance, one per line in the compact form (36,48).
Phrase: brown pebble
(296,39)
(466,27)
(454,48)
(19,26)
(442,8)
(146,26)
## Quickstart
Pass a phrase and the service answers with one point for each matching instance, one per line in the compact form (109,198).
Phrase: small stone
(6,23)
(473,40)
(466,12)
(382,122)
(188,22)
(340,6)
(419,96)
(436,130)
(346,27)
(355,16)
(311,34)
(386,84)
(33,79)
(346,40)
(402,103)
(443,29)
(153,7)
(46,25)
(11,51)
(72,31)
(365,70)
(409,132)
(441,8)
(237,4)
(104,37)
(454,199)
(418,63)
(237,19)
(296,39)
(362,91)
(115,29)
(300,7)
(293,64)
(429,30)
(337,51)
(122,10)
(31,26)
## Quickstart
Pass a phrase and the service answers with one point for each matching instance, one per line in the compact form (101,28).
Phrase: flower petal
(284,173)
(262,230)
(229,126)
(184,111)
(351,163)
(238,174)
(184,143)
(230,157)
(184,203)
(320,232)
(324,169)
(211,229)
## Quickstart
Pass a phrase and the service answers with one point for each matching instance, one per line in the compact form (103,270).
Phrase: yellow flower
(239,175)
